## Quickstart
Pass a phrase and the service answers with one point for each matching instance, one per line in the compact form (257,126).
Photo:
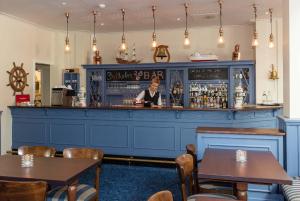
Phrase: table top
(52,170)
(261,167)
(241,131)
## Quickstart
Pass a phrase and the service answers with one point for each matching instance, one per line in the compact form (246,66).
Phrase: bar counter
(140,107)
(129,130)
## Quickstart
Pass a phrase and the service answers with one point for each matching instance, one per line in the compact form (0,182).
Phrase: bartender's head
(154,84)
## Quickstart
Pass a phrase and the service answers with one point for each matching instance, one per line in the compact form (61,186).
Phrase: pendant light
(186,33)
(123,45)
(221,32)
(94,47)
(271,37)
(67,41)
(255,40)
(154,43)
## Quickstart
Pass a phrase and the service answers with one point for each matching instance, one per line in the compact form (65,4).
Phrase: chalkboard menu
(135,75)
(208,74)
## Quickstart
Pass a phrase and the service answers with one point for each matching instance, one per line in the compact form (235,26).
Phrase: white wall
(203,40)
(20,43)
(265,57)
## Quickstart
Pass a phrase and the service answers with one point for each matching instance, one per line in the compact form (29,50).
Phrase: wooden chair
(185,167)
(84,192)
(25,191)
(161,196)
(203,185)
(38,151)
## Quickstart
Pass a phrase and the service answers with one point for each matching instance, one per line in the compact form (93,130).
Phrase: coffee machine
(62,97)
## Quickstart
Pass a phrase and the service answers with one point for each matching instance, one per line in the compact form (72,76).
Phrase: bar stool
(203,185)
(185,167)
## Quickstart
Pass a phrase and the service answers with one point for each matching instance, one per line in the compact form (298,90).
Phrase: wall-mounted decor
(17,78)
(162,53)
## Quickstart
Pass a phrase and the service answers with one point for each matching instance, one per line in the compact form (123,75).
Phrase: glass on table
(27,160)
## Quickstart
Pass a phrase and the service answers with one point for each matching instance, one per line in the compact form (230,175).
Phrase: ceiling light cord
(67,41)
(186,17)
(154,20)
(255,35)
(221,31)
(271,19)
(123,44)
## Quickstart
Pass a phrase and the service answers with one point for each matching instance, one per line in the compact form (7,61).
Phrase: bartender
(150,96)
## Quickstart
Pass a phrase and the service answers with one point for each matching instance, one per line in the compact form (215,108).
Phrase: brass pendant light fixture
(123,44)
(271,37)
(154,42)
(221,31)
(94,46)
(255,35)
(67,41)
(186,33)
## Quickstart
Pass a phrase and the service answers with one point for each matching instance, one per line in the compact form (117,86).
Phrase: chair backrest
(83,153)
(191,149)
(161,196)
(88,153)
(25,191)
(185,167)
(39,151)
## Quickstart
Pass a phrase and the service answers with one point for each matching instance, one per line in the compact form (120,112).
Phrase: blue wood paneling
(292,148)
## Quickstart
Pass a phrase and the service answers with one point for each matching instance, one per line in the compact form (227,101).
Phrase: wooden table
(260,168)
(57,171)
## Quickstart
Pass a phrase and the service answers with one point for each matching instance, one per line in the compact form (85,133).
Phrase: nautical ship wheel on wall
(17,78)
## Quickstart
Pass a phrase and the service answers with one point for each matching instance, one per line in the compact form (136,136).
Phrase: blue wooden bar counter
(129,130)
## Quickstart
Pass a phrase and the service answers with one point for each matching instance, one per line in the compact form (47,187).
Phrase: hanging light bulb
(67,41)
(271,37)
(187,41)
(154,42)
(221,32)
(255,35)
(123,44)
(94,46)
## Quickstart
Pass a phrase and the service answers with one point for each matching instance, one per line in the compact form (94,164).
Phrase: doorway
(42,84)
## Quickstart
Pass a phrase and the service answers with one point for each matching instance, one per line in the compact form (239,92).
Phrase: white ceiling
(50,13)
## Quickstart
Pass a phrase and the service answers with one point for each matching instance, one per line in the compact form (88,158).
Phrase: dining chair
(84,192)
(25,191)
(161,196)
(205,185)
(185,167)
(38,151)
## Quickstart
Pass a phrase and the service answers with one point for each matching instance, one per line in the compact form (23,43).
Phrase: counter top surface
(240,131)
(140,107)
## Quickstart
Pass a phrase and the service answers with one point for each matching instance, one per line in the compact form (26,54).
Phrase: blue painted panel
(187,136)
(29,131)
(29,111)
(113,136)
(292,160)
(108,114)
(65,113)
(69,133)
(151,138)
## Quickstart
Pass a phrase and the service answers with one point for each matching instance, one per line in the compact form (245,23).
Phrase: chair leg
(97,182)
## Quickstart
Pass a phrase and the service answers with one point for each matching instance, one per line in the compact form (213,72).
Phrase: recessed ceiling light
(178,19)
(102,5)
(63,3)
(102,24)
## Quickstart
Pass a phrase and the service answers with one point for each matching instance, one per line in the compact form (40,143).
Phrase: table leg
(72,192)
(241,191)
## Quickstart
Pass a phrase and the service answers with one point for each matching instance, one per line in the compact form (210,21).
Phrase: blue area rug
(134,183)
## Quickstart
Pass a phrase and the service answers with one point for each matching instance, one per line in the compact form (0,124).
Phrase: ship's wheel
(17,78)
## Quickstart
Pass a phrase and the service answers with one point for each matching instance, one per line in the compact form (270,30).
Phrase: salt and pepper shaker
(241,156)
(27,160)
